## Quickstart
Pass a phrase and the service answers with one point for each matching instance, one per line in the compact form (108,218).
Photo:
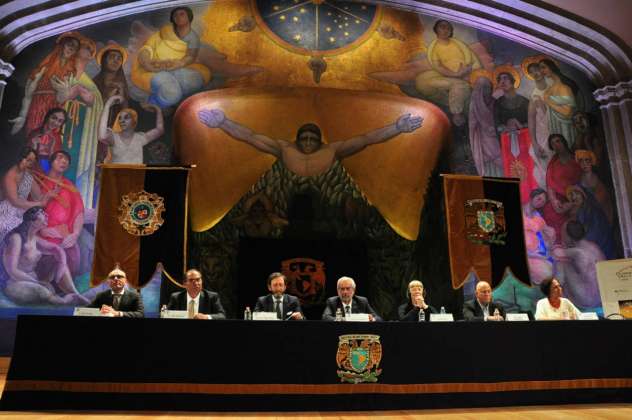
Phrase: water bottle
(422,315)
(247,314)
(442,310)
(163,311)
(339,315)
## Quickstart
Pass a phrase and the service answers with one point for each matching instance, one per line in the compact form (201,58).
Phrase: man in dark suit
(119,301)
(347,302)
(482,308)
(286,306)
(200,303)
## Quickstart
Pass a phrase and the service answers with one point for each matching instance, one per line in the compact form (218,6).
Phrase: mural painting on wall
(103,94)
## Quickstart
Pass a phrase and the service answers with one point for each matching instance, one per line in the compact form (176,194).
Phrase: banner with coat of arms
(485,230)
(141,221)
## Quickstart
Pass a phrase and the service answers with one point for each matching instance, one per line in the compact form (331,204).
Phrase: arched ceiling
(602,56)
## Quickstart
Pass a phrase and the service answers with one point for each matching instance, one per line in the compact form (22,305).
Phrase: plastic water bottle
(442,310)
(422,315)
(163,311)
(339,315)
(247,314)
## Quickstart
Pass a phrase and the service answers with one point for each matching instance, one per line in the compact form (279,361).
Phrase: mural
(109,93)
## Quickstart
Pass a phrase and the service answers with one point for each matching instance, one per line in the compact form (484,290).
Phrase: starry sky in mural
(320,25)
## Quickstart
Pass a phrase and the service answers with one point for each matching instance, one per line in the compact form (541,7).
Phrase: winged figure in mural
(308,156)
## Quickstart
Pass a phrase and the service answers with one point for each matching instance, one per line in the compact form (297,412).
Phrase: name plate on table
(87,312)
(264,316)
(171,314)
(517,317)
(588,316)
(357,317)
(441,318)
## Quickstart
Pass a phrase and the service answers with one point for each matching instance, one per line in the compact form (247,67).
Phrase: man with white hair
(483,308)
(347,302)
(119,301)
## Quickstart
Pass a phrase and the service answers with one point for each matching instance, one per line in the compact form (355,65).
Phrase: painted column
(6,70)
(616,110)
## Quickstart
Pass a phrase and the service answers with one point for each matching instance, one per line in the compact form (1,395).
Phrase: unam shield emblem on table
(485,221)
(358,358)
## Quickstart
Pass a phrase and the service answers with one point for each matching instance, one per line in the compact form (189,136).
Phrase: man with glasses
(119,301)
(286,306)
(347,302)
(197,301)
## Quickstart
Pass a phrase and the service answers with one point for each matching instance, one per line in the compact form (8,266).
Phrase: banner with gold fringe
(485,229)
(141,221)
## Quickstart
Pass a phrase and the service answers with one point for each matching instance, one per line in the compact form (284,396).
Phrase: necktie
(191,309)
(347,309)
(116,300)
(277,308)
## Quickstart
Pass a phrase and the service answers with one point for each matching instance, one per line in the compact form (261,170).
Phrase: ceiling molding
(602,56)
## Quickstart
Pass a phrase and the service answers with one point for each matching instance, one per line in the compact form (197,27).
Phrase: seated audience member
(410,311)
(554,306)
(482,308)
(119,300)
(198,302)
(347,302)
(286,306)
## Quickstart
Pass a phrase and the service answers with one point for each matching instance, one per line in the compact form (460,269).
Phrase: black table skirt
(156,364)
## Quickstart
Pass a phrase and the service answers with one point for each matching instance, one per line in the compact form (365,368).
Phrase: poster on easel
(615,287)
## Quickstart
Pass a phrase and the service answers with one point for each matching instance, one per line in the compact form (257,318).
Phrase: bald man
(482,308)
(119,301)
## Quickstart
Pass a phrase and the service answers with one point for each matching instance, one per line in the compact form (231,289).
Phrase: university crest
(485,221)
(140,213)
(305,279)
(358,358)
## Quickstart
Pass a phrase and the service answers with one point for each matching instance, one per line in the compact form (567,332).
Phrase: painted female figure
(560,100)
(111,80)
(21,252)
(65,211)
(483,139)
(17,185)
(82,101)
(591,182)
(47,139)
(40,93)
(562,172)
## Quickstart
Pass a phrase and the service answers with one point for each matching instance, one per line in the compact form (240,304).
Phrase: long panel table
(168,364)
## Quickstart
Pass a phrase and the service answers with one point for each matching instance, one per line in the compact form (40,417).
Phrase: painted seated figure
(165,66)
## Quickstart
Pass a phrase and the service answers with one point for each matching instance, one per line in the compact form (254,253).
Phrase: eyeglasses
(116,276)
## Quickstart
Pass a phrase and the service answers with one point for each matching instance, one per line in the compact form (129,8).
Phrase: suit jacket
(130,305)
(290,304)
(408,312)
(472,311)
(359,305)
(209,303)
